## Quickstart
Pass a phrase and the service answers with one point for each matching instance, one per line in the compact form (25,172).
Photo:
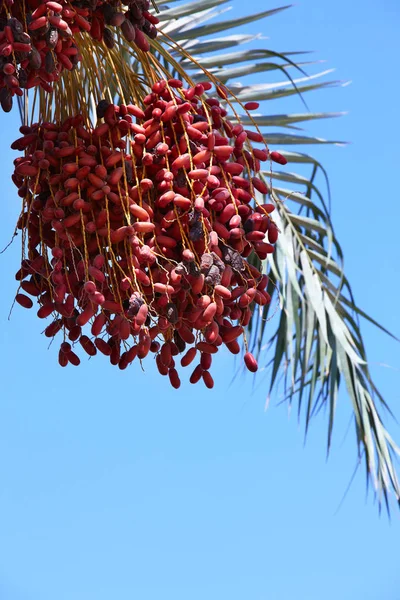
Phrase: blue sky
(115,486)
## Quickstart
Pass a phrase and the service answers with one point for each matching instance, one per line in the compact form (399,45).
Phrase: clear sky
(113,486)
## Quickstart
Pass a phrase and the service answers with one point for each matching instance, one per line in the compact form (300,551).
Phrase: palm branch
(315,344)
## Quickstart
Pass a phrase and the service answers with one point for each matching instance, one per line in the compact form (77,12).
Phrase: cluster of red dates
(37,38)
(139,230)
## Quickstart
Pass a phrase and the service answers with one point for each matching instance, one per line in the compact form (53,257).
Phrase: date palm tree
(313,346)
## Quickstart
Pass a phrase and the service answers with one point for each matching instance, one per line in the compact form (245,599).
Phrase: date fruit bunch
(37,38)
(138,230)
(132,17)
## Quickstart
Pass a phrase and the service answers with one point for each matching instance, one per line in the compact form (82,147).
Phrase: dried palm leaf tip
(39,39)
(138,229)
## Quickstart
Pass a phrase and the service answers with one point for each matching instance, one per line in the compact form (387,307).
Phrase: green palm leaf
(317,344)
(181,33)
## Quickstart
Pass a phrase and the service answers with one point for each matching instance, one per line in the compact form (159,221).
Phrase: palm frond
(317,344)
